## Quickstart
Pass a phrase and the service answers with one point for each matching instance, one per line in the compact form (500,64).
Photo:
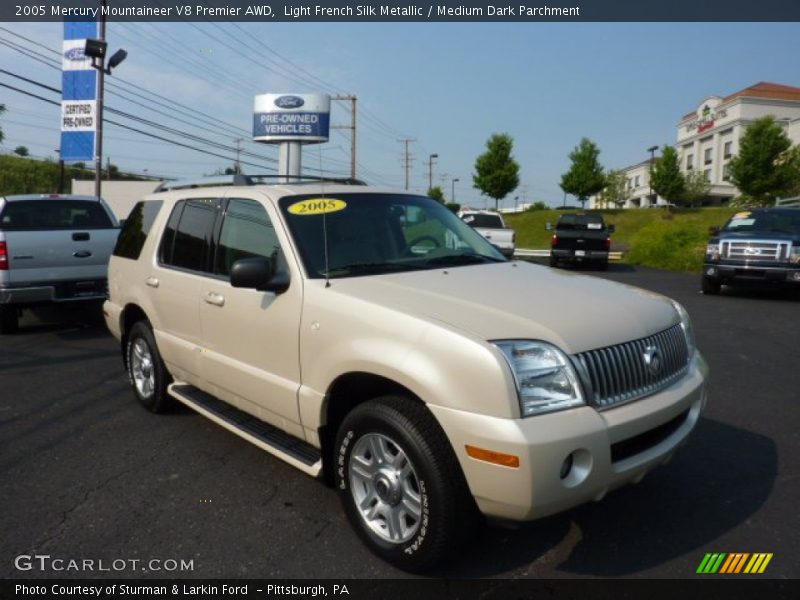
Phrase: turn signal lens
(490,456)
(3,256)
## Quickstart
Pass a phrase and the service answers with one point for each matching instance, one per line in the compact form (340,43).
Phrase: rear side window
(580,222)
(137,226)
(484,220)
(32,215)
(187,239)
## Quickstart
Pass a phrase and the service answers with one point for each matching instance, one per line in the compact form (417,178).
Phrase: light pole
(430,170)
(453,192)
(516,203)
(652,151)
(96,50)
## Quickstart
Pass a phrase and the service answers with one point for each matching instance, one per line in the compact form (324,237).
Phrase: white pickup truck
(53,248)
(491,226)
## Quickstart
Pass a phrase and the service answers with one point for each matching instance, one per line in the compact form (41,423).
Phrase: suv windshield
(779,221)
(380,233)
(580,222)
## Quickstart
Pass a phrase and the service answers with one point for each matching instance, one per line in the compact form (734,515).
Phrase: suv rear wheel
(148,375)
(9,318)
(401,484)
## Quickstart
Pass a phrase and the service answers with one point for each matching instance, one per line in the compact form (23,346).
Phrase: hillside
(647,237)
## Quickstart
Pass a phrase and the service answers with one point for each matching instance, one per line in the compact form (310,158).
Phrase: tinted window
(580,222)
(483,220)
(777,221)
(192,237)
(246,232)
(137,226)
(54,214)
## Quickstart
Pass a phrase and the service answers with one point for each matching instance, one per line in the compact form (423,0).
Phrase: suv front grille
(756,250)
(632,370)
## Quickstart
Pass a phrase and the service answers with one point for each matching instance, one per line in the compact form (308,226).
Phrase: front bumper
(752,273)
(62,291)
(608,448)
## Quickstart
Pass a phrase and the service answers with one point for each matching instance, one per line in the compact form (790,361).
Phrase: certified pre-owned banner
(394,10)
(78,93)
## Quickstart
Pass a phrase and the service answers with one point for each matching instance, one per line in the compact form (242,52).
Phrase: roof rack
(240,179)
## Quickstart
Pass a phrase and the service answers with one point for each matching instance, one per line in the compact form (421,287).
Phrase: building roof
(763,89)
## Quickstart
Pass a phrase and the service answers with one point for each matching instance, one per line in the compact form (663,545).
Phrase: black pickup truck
(759,247)
(580,238)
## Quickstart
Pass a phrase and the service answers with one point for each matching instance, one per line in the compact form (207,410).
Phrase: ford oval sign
(289,102)
(74,54)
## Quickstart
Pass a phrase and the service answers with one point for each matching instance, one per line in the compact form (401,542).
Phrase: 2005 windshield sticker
(317,206)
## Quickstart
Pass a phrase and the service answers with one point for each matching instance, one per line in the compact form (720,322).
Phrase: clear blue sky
(449,86)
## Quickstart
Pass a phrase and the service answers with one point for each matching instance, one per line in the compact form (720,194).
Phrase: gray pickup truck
(580,238)
(53,248)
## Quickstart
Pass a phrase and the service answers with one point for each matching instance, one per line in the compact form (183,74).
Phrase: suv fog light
(711,271)
(566,466)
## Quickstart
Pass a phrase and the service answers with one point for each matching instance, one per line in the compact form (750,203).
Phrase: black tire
(411,437)
(144,364)
(553,262)
(602,265)
(710,287)
(9,319)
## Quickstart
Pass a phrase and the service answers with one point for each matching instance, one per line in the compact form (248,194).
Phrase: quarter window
(247,232)
(137,226)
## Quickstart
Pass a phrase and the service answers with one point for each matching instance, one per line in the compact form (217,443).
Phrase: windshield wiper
(372,268)
(462,259)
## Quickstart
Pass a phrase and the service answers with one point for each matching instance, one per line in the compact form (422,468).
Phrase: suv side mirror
(611,228)
(256,273)
(713,230)
(548,226)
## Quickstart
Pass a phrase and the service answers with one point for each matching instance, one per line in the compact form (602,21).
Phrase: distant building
(708,137)
(120,195)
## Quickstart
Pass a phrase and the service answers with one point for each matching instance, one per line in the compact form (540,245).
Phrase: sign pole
(98,163)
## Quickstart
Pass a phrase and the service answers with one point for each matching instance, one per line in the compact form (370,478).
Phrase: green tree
(585,176)
(436,193)
(616,191)
(496,171)
(696,187)
(21,151)
(764,168)
(666,178)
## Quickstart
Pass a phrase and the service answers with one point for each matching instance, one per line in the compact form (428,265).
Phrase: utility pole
(237,168)
(101,86)
(430,170)
(407,157)
(352,128)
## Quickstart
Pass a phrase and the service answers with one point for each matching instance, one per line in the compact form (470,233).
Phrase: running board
(288,448)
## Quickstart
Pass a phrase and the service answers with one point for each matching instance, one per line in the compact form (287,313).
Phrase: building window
(727,151)
(707,175)
(636,182)
(707,155)
(689,162)
(726,172)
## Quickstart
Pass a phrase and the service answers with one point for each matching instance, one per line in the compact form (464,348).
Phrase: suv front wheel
(148,375)
(710,287)
(400,483)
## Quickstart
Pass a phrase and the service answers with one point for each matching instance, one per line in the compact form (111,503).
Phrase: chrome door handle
(215,299)
(152,282)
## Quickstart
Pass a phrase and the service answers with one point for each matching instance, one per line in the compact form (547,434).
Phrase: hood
(518,300)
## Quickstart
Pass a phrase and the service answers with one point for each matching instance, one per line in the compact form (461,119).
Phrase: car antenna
(324,223)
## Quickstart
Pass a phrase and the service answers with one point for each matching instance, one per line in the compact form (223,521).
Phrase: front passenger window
(247,232)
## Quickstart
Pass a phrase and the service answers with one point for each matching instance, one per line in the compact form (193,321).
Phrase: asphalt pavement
(86,474)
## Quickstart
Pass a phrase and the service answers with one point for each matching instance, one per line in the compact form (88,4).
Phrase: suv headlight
(712,250)
(545,378)
(686,325)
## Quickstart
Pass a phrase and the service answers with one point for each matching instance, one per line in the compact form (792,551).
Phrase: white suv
(372,337)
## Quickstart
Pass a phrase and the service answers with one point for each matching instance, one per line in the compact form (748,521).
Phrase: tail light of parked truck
(553,241)
(3,256)
(608,243)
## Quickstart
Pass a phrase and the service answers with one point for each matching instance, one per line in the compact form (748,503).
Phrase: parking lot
(88,474)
